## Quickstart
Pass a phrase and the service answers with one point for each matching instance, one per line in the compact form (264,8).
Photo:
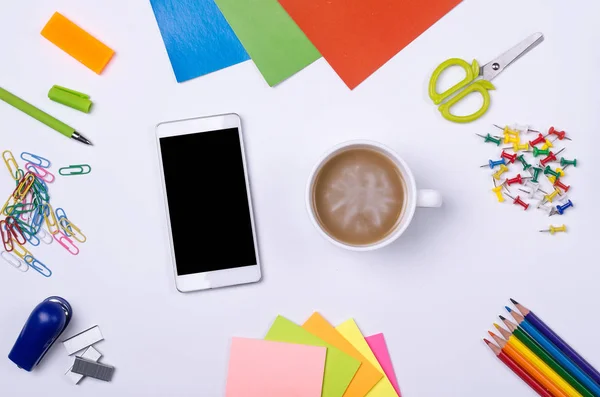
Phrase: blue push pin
(561,208)
(493,164)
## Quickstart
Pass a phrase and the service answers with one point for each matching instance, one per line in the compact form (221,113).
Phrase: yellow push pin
(547,145)
(555,229)
(498,191)
(517,147)
(551,196)
(501,171)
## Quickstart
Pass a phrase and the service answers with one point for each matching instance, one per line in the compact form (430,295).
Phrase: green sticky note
(272,39)
(339,367)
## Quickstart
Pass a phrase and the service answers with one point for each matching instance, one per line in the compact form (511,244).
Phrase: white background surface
(434,293)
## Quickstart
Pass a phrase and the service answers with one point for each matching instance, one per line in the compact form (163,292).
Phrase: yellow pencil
(538,363)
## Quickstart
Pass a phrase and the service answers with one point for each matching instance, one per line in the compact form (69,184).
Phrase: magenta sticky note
(380,350)
(259,368)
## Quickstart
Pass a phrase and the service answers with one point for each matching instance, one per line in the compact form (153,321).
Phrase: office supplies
(559,184)
(540,139)
(93,369)
(536,373)
(72,231)
(79,169)
(339,367)
(498,191)
(37,266)
(553,351)
(562,208)
(560,134)
(541,326)
(524,162)
(45,237)
(71,98)
(548,144)
(82,340)
(521,372)
(367,375)
(259,368)
(66,243)
(352,333)
(470,84)
(488,138)
(500,171)
(78,43)
(565,163)
(35,159)
(6,236)
(42,116)
(272,39)
(14,261)
(198,39)
(11,164)
(50,218)
(358,37)
(40,172)
(519,201)
(517,179)
(90,354)
(45,324)
(493,163)
(379,348)
(510,157)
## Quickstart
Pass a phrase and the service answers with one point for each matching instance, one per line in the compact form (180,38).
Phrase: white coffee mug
(414,197)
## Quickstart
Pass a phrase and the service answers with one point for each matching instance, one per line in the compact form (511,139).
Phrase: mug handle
(429,198)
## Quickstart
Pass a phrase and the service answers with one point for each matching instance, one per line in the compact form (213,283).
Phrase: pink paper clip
(41,172)
(67,243)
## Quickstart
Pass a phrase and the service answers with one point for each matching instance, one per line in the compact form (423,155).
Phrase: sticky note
(351,332)
(259,368)
(198,39)
(357,37)
(380,350)
(367,375)
(272,39)
(78,43)
(339,367)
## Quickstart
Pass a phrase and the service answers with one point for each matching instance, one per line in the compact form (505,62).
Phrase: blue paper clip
(35,159)
(38,216)
(37,266)
(32,238)
(61,216)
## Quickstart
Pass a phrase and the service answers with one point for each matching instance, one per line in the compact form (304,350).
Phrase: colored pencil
(541,353)
(509,362)
(538,363)
(557,340)
(527,366)
(555,353)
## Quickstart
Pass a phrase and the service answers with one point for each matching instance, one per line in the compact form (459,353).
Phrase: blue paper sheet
(197,36)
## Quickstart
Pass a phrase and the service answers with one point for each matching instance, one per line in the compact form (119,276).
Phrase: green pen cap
(70,98)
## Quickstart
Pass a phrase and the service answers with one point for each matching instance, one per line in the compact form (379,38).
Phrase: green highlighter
(42,116)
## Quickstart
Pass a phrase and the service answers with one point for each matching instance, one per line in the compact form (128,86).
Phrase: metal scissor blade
(491,69)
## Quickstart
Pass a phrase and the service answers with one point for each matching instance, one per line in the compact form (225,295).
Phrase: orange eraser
(77,42)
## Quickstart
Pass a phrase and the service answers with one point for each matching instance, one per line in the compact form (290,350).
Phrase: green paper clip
(71,98)
(79,169)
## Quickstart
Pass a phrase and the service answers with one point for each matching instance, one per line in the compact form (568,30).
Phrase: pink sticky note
(259,368)
(380,350)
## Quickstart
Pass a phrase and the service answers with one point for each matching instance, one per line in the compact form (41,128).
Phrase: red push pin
(520,202)
(560,134)
(561,185)
(539,139)
(509,157)
(516,179)
(551,157)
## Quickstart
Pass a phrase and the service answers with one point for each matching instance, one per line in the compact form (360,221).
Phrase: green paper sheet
(272,39)
(339,367)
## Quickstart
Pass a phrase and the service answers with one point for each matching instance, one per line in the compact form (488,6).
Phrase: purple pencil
(558,342)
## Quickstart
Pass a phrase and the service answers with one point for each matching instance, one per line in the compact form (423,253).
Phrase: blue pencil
(558,342)
(559,356)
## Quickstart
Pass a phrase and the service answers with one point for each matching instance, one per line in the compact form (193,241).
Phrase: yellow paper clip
(9,206)
(72,231)
(50,218)
(24,186)
(501,171)
(11,164)
(21,251)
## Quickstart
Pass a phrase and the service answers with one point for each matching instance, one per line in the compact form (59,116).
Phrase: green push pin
(536,173)
(565,163)
(537,152)
(526,165)
(550,171)
(489,138)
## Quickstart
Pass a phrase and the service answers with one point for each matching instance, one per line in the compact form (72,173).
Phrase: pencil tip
(497,326)
(491,333)
(487,341)
(508,309)
(502,318)
(514,301)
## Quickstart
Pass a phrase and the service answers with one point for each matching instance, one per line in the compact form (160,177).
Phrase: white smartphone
(209,208)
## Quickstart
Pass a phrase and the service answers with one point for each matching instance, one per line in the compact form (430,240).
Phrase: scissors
(489,71)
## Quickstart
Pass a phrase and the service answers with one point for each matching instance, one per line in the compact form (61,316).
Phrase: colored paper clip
(6,237)
(79,169)
(73,231)
(38,216)
(50,218)
(61,215)
(21,251)
(67,243)
(41,189)
(40,172)
(9,206)
(32,238)
(16,231)
(11,164)
(45,236)
(24,186)
(35,159)
(27,201)
(14,261)
(38,266)
(20,209)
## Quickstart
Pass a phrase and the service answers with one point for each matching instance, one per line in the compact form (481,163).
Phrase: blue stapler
(43,327)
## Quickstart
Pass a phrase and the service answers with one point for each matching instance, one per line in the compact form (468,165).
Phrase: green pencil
(545,357)
(42,116)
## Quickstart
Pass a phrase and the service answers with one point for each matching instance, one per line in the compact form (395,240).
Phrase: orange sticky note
(77,42)
(367,375)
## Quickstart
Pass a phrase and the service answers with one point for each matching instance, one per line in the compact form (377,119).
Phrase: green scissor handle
(481,86)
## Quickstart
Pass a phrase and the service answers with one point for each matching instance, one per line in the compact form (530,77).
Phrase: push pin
(561,185)
(560,134)
(518,201)
(550,171)
(508,156)
(555,229)
(565,163)
(548,144)
(493,163)
(551,196)
(516,147)
(550,158)
(488,138)
(536,173)
(517,179)
(526,165)
(550,210)
(507,130)
(540,139)
(523,128)
(498,191)
(538,152)
(562,208)
(501,171)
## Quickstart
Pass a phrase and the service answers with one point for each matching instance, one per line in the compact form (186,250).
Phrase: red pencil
(518,370)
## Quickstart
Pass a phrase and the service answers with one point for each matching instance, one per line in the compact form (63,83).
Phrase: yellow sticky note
(351,332)
(367,375)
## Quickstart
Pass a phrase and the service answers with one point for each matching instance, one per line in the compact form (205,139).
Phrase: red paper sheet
(357,37)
